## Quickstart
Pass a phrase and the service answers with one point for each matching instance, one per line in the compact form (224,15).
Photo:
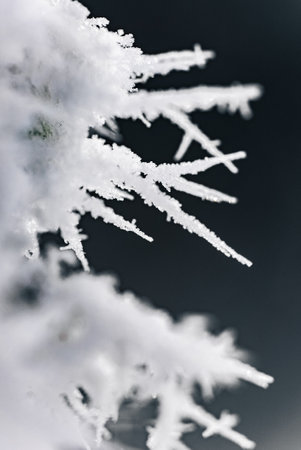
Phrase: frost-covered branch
(233,99)
(175,406)
(118,348)
(143,179)
(176,104)
(164,63)
(74,347)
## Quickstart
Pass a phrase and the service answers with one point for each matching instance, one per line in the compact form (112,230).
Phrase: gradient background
(255,41)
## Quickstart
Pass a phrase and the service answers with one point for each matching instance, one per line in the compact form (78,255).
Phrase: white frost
(68,362)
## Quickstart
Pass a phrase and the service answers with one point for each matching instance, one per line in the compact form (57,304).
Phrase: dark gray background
(255,41)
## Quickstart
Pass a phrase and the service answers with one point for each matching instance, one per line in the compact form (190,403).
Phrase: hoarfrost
(68,363)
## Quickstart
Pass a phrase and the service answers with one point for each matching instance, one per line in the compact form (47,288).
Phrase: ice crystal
(68,363)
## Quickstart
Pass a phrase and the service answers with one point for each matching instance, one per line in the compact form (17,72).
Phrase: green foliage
(43,129)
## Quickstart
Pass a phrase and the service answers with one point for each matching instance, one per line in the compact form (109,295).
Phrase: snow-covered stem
(176,104)
(233,99)
(164,63)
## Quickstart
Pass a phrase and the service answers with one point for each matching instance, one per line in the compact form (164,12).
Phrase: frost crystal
(69,362)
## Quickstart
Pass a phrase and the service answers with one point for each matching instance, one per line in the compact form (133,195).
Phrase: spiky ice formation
(68,363)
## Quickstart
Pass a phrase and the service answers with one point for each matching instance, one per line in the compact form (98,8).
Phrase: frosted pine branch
(118,348)
(174,104)
(77,348)
(54,108)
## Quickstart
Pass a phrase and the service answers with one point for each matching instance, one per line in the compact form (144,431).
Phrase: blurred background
(255,41)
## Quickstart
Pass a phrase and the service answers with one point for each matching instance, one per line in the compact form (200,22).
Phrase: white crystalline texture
(70,360)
